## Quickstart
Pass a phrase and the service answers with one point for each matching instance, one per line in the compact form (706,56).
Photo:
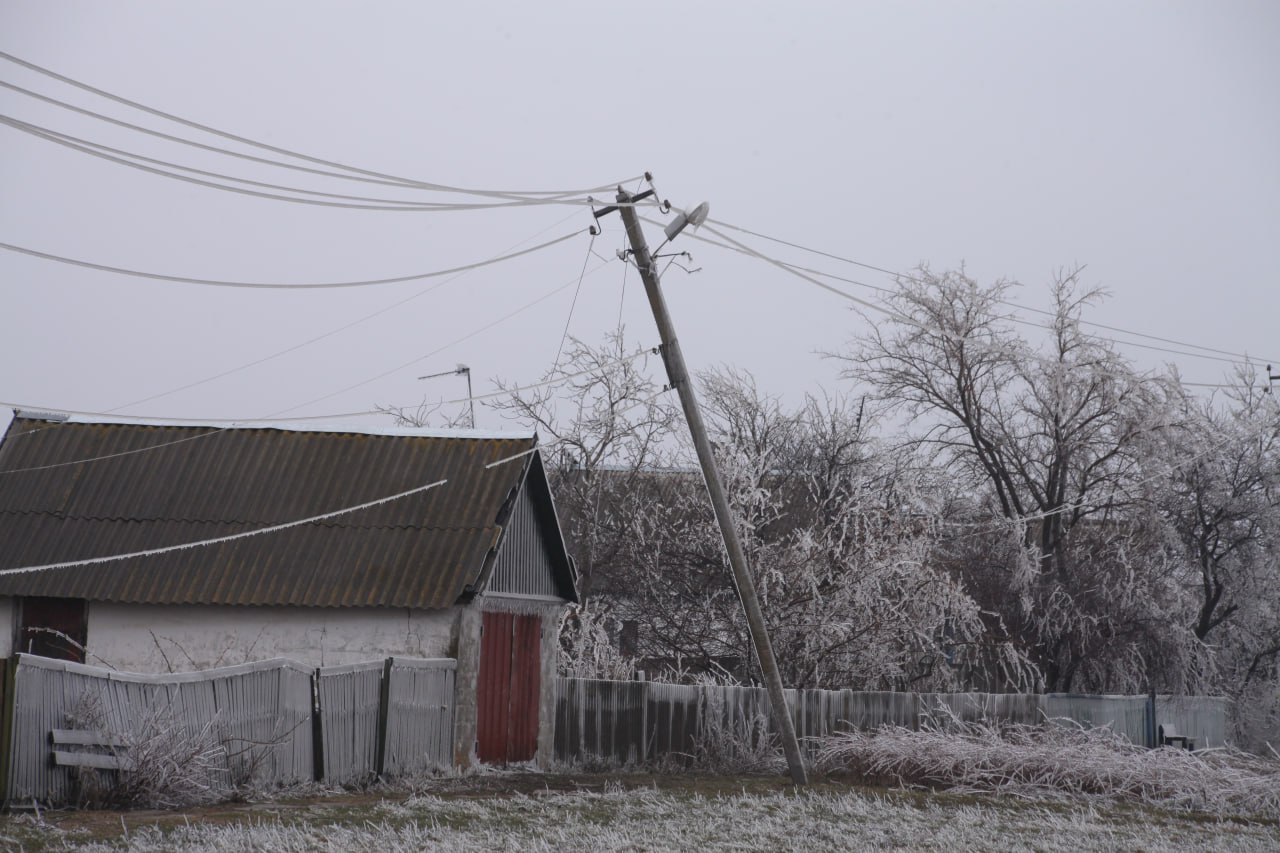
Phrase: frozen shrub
(1059,759)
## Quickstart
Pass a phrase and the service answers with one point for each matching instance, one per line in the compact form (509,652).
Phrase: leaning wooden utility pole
(678,377)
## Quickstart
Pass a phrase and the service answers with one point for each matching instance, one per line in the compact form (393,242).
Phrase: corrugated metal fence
(277,722)
(384,718)
(260,713)
(631,722)
(418,734)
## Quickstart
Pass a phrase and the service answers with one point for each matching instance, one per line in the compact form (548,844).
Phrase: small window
(54,628)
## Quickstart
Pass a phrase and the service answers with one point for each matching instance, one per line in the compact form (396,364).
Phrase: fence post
(384,712)
(8,696)
(317,728)
(1151,719)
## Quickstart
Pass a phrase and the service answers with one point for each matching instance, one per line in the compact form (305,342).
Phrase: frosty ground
(598,812)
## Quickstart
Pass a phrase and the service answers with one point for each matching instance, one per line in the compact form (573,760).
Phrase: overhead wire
(807,275)
(844,294)
(339,329)
(1013,318)
(567,320)
(622,296)
(128,158)
(210,282)
(168,549)
(412,207)
(106,456)
(355,171)
(1236,357)
(276,416)
(525,307)
(181,140)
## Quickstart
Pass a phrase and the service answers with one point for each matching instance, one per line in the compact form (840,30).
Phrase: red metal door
(526,679)
(493,692)
(509,685)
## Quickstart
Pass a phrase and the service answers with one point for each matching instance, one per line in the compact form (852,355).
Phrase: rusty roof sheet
(151,486)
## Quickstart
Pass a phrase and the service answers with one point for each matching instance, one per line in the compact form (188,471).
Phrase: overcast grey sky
(1139,138)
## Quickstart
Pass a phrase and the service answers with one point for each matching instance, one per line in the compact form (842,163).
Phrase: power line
(1013,318)
(724,224)
(208,282)
(193,143)
(293,348)
(105,152)
(801,273)
(844,294)
(807,275)
(274,416)
(442,348)
(1236,357)
(567,320)
(364,173)
(219,539)
(112,455)
(416,207)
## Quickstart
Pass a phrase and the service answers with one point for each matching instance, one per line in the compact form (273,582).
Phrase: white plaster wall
(178,638)
(8,625)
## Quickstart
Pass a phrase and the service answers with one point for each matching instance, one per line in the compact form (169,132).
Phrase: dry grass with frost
(655,820)
(1059,760)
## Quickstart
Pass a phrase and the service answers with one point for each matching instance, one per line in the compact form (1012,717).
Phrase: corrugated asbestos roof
(205,482)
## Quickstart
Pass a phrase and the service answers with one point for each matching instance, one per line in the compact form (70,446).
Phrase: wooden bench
(83,748)
(1170,736)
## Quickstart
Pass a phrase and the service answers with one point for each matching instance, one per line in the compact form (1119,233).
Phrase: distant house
(474,569)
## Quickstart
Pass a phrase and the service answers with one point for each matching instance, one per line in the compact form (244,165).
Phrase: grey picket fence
(633,722)
(277,722)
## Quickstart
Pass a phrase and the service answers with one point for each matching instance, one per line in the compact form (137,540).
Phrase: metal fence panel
(419,721)
(1022,708)
(627,721)
(349,701)
(1202,718)
(1125,715)
(260,711)
(607,720)
(673,714)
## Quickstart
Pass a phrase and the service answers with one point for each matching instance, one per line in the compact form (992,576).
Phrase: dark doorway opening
(54,627)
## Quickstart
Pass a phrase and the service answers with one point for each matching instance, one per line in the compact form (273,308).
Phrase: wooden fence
(277,722)
(631,722)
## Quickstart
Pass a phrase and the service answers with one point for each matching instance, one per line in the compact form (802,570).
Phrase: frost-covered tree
(603,420)
(1049,437)
(1220,497)
(838,537)
(1223,499)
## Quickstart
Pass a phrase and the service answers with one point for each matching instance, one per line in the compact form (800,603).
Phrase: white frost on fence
(267,719)
(629,722)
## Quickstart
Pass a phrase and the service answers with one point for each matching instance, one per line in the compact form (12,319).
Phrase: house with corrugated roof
(154,546)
